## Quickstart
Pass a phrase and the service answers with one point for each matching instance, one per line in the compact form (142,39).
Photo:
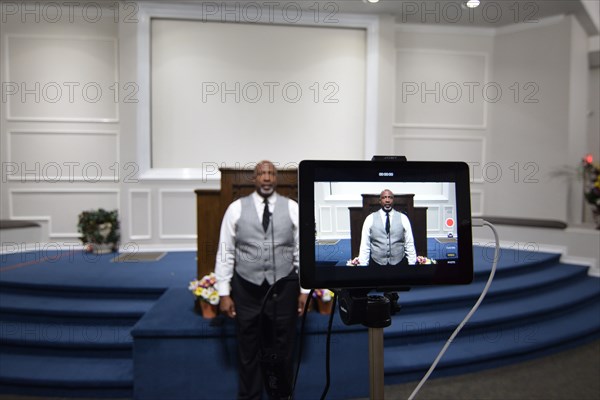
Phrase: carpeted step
(111,320)
(533,279)
(510,261)
(35,289)
(410,328)
(65,335)
(404,363)
(66,372)
(83,307)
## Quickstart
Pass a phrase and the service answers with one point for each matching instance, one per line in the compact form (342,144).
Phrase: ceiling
(489,14)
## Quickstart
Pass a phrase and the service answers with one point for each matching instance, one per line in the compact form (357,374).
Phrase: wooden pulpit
(211,206)
(403,203)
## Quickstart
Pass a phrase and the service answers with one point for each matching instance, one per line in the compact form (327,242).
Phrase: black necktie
(266,215)
(387,222)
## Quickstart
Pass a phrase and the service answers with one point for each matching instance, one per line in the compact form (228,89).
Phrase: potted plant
(206,295)
(324,299)
(99,230)
(591,186)
(425,260)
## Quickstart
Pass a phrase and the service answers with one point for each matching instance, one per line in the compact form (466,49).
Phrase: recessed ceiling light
(472,3)
(371,1)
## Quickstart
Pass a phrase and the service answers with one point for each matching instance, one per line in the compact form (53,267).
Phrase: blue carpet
(81,271)
(66,318)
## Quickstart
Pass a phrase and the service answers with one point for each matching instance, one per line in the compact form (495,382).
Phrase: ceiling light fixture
(371,1)
(472,3)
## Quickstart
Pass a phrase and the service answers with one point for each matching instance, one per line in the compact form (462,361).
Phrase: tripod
(376,363)
(374,312)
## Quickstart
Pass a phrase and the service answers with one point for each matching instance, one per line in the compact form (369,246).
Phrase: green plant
(591,181)
(99,226)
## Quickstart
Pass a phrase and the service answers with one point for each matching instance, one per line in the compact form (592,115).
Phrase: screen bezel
(336,277)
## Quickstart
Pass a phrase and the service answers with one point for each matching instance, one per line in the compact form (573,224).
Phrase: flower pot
(102,248)
(325,307)
(205,309)
(596,216)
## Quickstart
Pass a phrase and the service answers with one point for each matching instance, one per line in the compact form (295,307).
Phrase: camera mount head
(372,311)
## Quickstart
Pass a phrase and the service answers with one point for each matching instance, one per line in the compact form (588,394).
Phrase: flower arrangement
(325,295)
(204,289)
(591,181)
(99,227)
(425,260)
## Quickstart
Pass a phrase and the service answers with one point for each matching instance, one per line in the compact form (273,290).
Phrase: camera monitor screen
(384,224)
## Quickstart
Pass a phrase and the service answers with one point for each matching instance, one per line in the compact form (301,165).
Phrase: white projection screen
(231,93)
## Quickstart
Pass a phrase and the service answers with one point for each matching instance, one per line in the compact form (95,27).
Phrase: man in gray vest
(386,237)
(259,245)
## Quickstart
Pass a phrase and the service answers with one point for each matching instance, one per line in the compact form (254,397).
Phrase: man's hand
(355,261)
(227,306)
(302,302)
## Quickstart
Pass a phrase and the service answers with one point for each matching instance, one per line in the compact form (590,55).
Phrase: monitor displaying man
(386,237)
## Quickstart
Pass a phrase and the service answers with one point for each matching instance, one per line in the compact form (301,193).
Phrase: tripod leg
(376,363)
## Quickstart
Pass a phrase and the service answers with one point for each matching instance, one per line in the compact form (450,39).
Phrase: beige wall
(92,154)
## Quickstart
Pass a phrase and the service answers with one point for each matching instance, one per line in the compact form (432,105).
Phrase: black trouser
(402,263)
(278,329)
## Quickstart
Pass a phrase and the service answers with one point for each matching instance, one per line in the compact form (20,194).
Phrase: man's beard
(266,192)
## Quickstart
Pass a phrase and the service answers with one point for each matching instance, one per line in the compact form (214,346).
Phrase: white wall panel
(140,216)
(177,210)
(434,224)
(469,149)
(78,81)
(442,88)
(477,198)
(51,156)
(61,207)
(342,219)
(325,219)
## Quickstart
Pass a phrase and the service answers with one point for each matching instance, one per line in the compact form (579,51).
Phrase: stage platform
(76,324)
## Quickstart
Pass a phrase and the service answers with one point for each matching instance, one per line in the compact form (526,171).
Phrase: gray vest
(255,248)
(387,250)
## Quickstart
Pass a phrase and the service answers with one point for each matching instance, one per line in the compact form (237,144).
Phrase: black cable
(301,344)
(328,350)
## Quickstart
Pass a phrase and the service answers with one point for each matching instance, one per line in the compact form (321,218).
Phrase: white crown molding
(449,29)
(525,26)
(208,175)
(444,29)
